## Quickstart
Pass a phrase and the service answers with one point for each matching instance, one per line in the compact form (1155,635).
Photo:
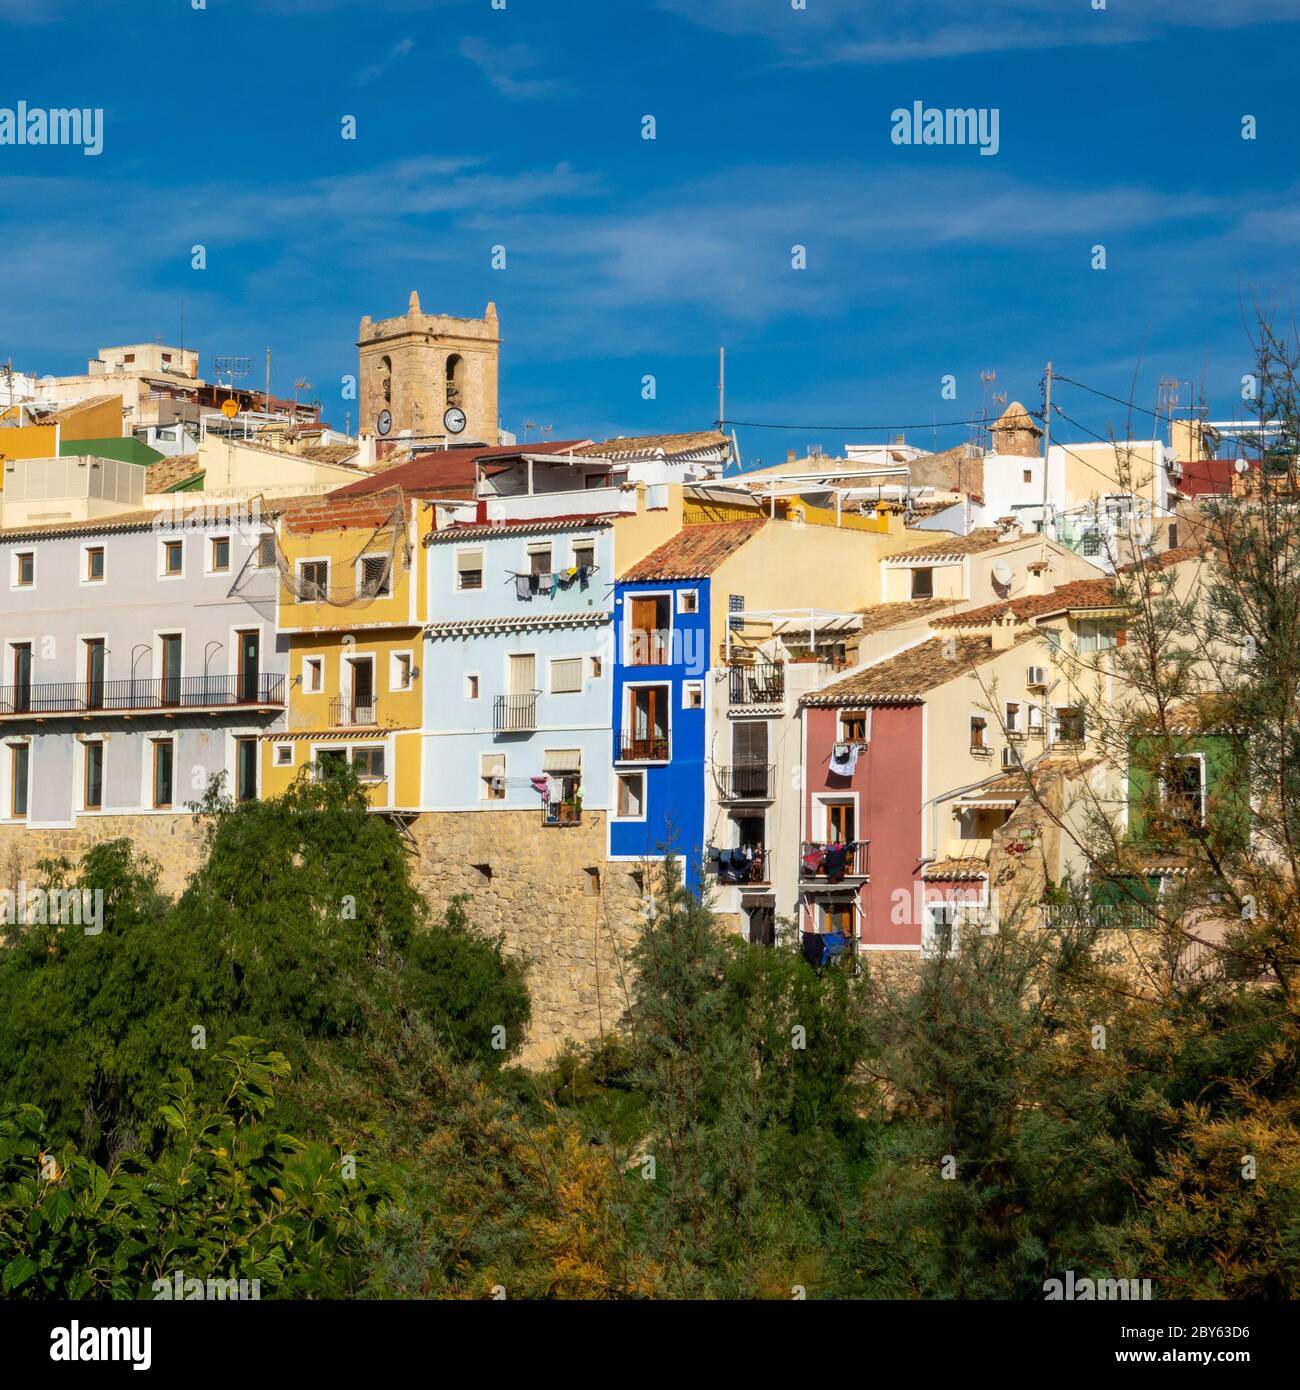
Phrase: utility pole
(722,385)
(1047,441)
(268,381)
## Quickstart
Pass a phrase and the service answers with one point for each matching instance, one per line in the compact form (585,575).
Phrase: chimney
(791,455)
(1004,631)
(1037,581)
(480,512)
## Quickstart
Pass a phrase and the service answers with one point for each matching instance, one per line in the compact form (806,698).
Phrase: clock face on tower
(385,422)
(454,420)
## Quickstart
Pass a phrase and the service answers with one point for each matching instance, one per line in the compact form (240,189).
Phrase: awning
(562,760)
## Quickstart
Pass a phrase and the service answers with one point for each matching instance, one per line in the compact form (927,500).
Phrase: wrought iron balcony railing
(831,862)
(756,682)
(643,748)
(516,714)
(746,782)
(347,713)
(738,866)
(79,698)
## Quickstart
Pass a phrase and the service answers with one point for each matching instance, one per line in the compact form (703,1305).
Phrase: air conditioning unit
(1010,759)
(1037,676)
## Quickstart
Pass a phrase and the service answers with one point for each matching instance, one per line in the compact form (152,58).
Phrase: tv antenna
(233,369)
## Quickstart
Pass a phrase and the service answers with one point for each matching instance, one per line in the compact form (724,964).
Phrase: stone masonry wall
(173,841)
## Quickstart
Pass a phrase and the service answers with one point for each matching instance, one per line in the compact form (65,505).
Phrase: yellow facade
(95,419)
(352,606)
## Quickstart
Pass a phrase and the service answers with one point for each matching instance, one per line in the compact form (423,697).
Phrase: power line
(1128,405)
(928,424)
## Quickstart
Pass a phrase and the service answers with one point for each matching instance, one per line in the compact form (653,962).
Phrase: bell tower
(417,366)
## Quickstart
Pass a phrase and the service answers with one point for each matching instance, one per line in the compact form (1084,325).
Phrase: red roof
(447,472)
(1202,477)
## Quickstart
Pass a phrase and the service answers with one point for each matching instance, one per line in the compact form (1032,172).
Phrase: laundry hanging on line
(844,759)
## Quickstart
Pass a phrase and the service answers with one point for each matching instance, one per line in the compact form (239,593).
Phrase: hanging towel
(539,785)
(523,587)
(812,861)
(833,944)
(554,584)
(534,583)
(582,576)
(836,858)
(844,759)
(813,948)
(555,789)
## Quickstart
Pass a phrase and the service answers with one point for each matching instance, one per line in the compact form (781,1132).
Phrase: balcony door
(523,673)
(749,757)
(841,822)
(171,668)
(22,677)
(96,654)
(363,689)
(650,721)
(250,659)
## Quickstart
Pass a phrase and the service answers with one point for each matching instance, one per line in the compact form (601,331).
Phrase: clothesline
(526,585)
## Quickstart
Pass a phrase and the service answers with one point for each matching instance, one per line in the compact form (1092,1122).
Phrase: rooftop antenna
(987,377)
(302,384)
(722,386)
(233,369)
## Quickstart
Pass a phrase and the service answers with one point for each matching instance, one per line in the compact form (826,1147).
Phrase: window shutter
(561,761)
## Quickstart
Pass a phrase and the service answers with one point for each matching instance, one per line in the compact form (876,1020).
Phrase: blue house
(661,714)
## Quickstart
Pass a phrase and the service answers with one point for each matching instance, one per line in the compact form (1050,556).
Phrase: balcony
(643,748)
(187,694)
(756,682)
(347,713)
(818,861)
(752,870)
(515,714)
(746,782)
(562,812)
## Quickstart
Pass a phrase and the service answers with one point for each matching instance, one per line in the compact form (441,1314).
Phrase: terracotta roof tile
(667,444)
(886,615)
(168,472)
(448,472)
(907,676)
(1079,593)
(695,551)
(981,539)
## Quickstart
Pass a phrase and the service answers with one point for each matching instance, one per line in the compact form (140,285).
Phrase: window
(943,928)
(19,765)
(539,559)
(593,667)
(313,581)
(368,764)
(1012,720)
(1091,543)
(1095,637)
(841,822)
(374,576)
(24,575)
(1029,475)
(735,607)
(1035,719)
(692,694)
(245,769)
(923,583)
(978,724)
(471,687)
(219,554)
(163,764)
(591,881)
(646,729)
(837,917)
(1070,724)
(282,755)
(266,550)
(688,601)
(584,555)
(566,676)
(313,675)
(630,799)
(401,672)
(331,760)
(173,559)
(649,630)
(22,676)
(94,570)
(1184,790)
(93,780)
(853,725)
(455,378)
(469,569)
(492,776)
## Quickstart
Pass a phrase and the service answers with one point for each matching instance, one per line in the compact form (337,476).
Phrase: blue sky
(478,126)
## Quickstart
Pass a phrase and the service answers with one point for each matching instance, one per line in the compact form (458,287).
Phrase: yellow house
(351,610)
(33,430)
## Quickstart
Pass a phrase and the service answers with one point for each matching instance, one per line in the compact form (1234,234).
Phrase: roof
(1016,417)
(909,675)
(65,411)
(695,551)
(333,513)
(1078,593)
(329,453)
(955,869)
(666,445)
(974,543)
(885,615)
(466,627)
(171,472)
(448,472)
(475,531)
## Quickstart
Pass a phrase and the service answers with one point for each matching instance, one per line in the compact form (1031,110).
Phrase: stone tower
(1016,432)
(418,365)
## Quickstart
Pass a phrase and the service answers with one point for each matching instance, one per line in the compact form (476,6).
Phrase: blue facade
(661,721)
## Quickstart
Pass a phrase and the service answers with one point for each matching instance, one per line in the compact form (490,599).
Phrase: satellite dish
(1003,574)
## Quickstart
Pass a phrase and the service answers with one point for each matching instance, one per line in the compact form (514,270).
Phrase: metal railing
(347,713)
(814,854)
(515,714)
(562,812)
(746,782)
(756,682)
(643,748)
(147,693)
(733,867)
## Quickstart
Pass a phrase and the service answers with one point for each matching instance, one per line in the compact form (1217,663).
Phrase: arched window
(386,378)
(455,378)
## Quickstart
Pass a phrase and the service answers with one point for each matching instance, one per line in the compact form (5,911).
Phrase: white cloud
(506,66)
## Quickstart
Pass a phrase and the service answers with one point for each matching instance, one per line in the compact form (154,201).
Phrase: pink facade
(885,793)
